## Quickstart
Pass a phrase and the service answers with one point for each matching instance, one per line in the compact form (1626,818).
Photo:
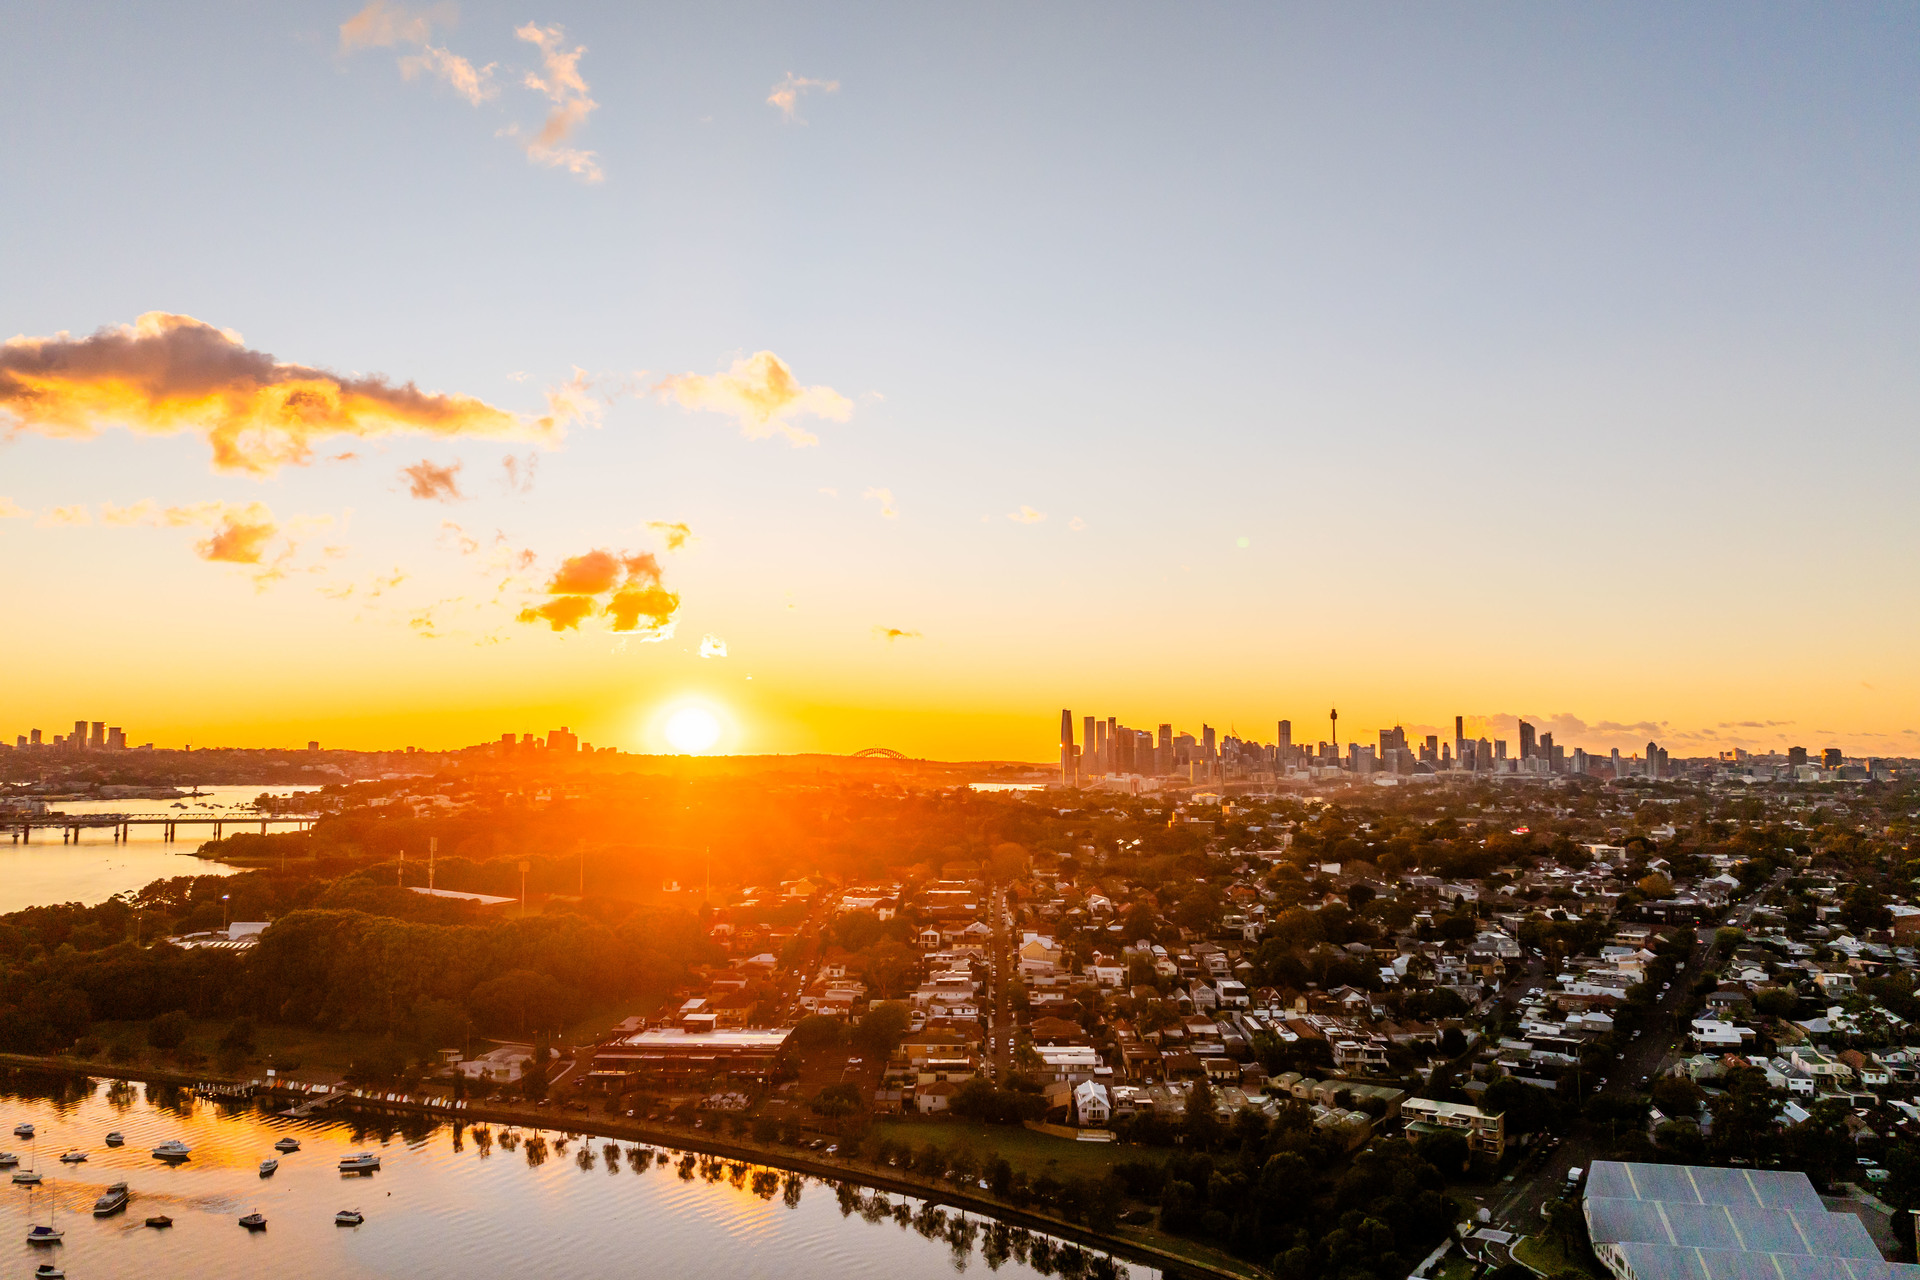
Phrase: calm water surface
(447,1204)
(47,871)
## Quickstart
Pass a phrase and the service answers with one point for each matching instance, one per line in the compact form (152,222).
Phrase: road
(1542,1177)
(1000,1025)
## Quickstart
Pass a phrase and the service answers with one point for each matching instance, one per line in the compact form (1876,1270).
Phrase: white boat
(365,1162)
(116,1138)
(74,1157)
(47,1271)
(286,1144)
(349,1218)
(172,1149)
(255,1221)
(23,1130)
(112,1200)
(45,1235)
(27,1178)
(267,1167)
(8,1159)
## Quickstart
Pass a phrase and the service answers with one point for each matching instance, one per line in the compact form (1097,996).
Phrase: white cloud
(885,498)
(1026,515)
(712,646)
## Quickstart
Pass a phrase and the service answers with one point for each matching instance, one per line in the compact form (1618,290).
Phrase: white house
(1090,1103)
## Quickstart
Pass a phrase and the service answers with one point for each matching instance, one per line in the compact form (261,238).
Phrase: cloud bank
(170,374)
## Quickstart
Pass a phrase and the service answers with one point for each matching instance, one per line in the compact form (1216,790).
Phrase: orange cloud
(241,537)
(475,84)
(11,510)
(562,612)
(1026,515)
(382,25)
(438,484)
(655,604)
(786,94)
(561,82)
(76,514)
(167,374)
(891,634)
(676,533)
(631,584)
(762,393)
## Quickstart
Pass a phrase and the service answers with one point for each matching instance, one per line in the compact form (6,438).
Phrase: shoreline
(1144,1251)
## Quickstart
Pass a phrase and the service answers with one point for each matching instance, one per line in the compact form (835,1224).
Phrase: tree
(881,1031)
(837,1100)
(818,1031)
(169,1030)
(1677,1097)
(522,1000)
(236,1044)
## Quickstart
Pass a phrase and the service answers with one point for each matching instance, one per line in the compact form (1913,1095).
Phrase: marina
(454,1201)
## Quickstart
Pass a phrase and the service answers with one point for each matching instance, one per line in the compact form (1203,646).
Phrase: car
(1619,1057)
(1636,1033)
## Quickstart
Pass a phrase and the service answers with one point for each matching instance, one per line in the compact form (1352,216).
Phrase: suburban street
(1542,1178)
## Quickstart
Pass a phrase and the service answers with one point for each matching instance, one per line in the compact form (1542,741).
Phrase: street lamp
(223,909)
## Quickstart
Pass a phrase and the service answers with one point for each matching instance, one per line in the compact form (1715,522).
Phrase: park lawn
(321,1055)
(1033,1153)
(1545,1255)
(1456,1266)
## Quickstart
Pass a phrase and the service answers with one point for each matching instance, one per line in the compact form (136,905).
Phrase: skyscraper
(1066,749)
(1286,735)
(1616,763)
(1089,758)
(1527,748)
(1796,756)
(1653,759)
(77,740)
(1459,737)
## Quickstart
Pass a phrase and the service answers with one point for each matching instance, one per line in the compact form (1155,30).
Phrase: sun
(692,730)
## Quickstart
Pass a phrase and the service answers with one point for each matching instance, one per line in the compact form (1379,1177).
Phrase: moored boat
(116,1138)
(47,1271)
(364,1162)
(8,1159)
(112,1200)
(267,1167)
(27,1178)
(172,1149)
(45,1235)
(23,1130)
(255,1221)
(349,1218)
(287,1144)
(74,1157)
(159,1220)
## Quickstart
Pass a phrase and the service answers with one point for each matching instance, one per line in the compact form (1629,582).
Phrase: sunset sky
(899,375)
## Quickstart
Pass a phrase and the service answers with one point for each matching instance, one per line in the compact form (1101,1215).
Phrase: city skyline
(865,386)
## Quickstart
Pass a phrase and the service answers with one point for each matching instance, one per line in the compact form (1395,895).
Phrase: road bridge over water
(22,826)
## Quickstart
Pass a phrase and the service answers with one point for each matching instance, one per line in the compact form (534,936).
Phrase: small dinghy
(255,1221)
(74,1157)
(349,1218)
(159,1220)
(116,1138)
(47,1271)
(286,1144)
